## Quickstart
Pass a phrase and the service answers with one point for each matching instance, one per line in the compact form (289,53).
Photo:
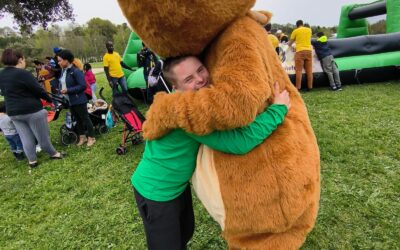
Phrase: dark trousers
(168,225)
(83,122)
(119,82)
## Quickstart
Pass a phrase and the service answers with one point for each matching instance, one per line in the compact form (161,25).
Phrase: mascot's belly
(268,189)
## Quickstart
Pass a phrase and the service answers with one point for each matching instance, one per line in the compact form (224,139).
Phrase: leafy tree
(46,40)
(378,27)
(29,13)
(102,27)
(121,38)
(8,36)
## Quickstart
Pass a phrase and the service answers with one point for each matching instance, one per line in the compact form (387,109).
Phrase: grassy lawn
(85,200)
(97,65)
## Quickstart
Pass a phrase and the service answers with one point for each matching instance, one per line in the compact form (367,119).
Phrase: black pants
(168,225)
(83,122)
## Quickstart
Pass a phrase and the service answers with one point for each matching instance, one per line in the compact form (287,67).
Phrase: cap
(56,50)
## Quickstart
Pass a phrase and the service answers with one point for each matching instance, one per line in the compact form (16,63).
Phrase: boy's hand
(281,97)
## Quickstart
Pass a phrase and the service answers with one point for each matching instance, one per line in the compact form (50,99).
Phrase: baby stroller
(68,134)
(97,114)
(132,118)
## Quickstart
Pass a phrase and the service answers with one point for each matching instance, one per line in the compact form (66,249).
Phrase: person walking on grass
(11,134)
(73,87)
(303,57)
(22,94)
(113,64)
(90,79)
(274,40)
(328,63)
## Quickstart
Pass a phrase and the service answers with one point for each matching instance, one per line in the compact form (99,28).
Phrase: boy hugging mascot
(268,198)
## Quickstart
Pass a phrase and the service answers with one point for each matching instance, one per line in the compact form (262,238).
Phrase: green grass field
(85,200)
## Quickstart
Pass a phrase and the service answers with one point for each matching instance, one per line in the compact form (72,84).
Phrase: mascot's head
(174,27)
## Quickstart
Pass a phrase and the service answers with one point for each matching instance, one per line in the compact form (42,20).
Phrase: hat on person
(56,49)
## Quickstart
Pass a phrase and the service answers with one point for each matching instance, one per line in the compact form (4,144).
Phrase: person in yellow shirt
(274,40)
(113,64)
(303,57)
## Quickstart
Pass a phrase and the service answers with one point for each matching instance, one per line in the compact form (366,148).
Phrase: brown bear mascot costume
(268,198)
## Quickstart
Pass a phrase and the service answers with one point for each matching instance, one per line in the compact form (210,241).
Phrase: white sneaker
(38,149)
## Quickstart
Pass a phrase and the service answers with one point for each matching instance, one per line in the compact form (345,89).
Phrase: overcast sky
(314,12)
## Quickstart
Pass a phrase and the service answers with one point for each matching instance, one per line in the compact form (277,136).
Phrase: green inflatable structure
(362,57)
(134,79)
(353,17)
(355,49)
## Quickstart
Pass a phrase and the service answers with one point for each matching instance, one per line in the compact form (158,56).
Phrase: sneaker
(19,156)
(334,88)
(38,149)
(339,88)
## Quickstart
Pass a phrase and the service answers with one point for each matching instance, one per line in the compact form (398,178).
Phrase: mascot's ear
(260,16)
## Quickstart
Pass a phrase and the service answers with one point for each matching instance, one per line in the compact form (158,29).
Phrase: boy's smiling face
(190,75)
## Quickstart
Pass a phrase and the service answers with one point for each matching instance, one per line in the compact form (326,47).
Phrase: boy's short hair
(268,27)
(169,63)
(319,34)
(2,107)
(299,23)
(284,39)
(87,66)
(37,62)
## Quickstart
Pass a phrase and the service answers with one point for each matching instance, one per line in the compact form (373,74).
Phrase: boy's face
(190,75)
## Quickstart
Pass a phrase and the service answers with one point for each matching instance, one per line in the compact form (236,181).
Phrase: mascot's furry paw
(158,117)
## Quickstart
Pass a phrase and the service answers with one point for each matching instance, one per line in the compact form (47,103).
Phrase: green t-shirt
(168,162)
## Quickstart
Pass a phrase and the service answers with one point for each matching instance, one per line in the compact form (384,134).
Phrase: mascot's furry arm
(240,88)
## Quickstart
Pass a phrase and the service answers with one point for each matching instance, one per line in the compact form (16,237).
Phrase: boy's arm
(243,140)
(292,38)
(106,68)
(125,66)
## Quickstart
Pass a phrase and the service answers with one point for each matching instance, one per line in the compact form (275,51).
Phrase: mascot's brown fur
(270,195)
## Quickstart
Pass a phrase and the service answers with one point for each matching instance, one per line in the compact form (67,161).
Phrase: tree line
(87,41)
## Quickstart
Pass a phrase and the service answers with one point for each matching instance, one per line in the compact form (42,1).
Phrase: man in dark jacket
(328,63)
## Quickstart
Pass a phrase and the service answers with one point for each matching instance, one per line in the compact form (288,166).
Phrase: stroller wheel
(137,139)
(69,138)
(121,151)
(103,129)
(63,129)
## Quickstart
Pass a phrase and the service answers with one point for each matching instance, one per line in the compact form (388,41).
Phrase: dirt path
(97,70)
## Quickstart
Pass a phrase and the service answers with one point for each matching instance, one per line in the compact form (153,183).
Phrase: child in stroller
(97,114)
(132,118)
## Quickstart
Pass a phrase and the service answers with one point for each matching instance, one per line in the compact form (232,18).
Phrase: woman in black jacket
(73,85)
(22,94)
